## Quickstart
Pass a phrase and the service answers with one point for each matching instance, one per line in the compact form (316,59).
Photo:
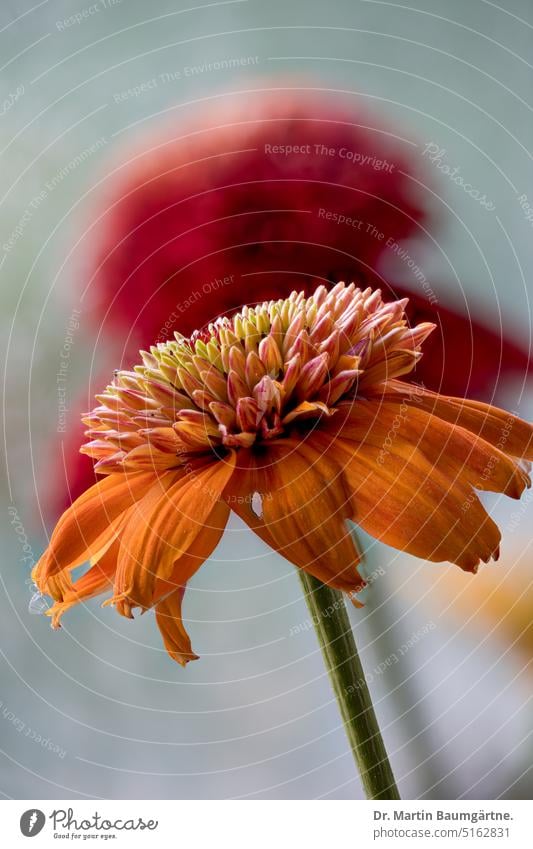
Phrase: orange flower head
(292,414)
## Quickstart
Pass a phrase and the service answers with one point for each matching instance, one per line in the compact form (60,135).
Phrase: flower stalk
(334,632)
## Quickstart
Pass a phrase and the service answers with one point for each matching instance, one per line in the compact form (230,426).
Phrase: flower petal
(95,581)
(164,527)
(169,594)
(409,504)
(89,523)
(304,508)
(201,548)
(454,450)
(175,637)
(56,586)
(504,430)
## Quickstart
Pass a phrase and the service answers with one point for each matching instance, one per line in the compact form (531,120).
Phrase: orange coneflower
(291,414)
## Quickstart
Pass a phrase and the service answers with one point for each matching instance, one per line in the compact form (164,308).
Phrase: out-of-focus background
(98,709)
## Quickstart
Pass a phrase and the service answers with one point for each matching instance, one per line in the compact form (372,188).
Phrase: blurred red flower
(257,194)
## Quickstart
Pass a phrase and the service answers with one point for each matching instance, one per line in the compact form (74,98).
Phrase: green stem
(334,632)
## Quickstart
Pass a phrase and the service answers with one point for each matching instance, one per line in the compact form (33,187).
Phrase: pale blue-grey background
(255,717)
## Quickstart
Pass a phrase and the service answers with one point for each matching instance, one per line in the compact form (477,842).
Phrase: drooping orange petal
(201,548)
(95,581)
(88,524)
(408,503)
(455,451)
(302,513)
(57,586)
(504,430)
(168,595)
(164,528)
(175,637)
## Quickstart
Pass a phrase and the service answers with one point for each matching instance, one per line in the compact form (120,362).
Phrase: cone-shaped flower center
(252,377)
